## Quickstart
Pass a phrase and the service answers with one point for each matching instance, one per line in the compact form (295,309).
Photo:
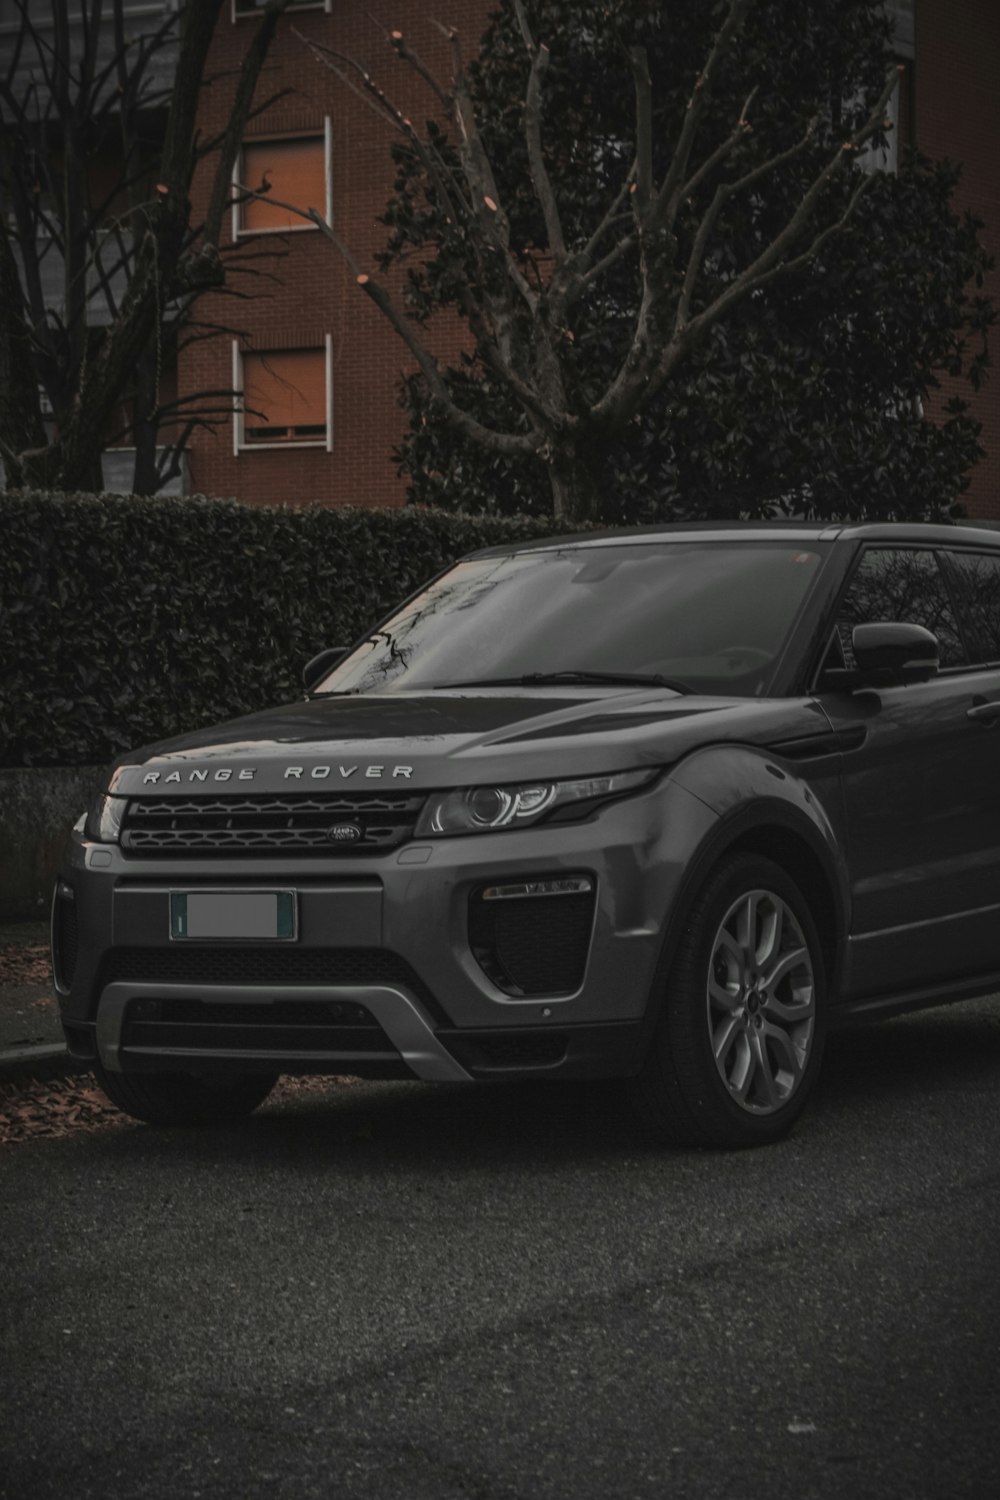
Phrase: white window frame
(872,158)
(885,158)
(239,232)
(248,15)
(240,445)
(902,26)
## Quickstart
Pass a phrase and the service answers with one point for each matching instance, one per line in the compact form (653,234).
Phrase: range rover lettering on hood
(292,773)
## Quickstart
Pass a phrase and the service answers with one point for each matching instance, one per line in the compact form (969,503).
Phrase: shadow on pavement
(895,1070)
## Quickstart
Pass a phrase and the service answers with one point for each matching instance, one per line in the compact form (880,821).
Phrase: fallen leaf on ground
(54,1107)
(25,963)
(62,1106)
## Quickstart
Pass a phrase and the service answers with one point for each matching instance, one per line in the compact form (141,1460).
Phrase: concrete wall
(38,807)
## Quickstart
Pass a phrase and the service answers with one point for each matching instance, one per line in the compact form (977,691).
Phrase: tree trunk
(21,428)
(145,427)
(51,468)
(575,493)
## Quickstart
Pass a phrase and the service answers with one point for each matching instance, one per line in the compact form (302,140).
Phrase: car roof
(790,531)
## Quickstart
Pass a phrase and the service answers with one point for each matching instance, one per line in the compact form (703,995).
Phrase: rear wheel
(741,1030)
(186,1098)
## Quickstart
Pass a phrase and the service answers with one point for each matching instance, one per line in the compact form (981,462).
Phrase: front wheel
(740,1036)
(186,1098)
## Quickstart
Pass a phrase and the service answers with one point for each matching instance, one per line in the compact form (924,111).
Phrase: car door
(921,790)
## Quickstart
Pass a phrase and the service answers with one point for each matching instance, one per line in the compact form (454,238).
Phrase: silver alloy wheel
(761,1001)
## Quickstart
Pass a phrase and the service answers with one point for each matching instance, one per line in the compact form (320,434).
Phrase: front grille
(299,1026)
(272,965)
(316,823)
(533,945)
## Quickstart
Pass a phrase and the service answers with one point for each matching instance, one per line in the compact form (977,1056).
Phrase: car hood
(457,738)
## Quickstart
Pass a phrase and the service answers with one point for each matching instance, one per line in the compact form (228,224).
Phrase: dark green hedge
(124,620)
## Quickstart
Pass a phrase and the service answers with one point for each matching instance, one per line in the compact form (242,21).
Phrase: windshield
(710,617)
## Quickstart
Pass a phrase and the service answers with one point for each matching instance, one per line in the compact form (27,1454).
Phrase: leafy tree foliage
(762,371)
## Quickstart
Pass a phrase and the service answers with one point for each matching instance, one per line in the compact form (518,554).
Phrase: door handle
(984,713)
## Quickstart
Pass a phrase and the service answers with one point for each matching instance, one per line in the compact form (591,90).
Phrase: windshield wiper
(533,679)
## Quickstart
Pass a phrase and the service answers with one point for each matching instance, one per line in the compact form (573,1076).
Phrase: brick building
(956,114)
(319,366)
(316,361)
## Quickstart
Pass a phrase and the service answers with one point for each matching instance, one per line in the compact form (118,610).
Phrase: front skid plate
(395,1009)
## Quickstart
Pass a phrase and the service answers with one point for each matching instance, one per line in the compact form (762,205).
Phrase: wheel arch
(792,835)
(795,854)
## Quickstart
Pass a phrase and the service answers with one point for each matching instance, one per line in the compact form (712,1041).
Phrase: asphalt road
(439,1294)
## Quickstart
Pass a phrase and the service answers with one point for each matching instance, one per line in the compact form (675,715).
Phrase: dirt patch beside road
(53,1107)
(28,964)
(56,1107)
(29,1015)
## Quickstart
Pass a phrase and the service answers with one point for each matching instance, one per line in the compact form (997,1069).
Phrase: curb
(49,1060)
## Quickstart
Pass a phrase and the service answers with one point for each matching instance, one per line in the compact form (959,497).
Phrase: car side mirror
(890,653)
(323,662)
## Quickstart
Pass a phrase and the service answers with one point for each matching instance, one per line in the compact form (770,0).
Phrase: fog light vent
(532,937)
(576,885)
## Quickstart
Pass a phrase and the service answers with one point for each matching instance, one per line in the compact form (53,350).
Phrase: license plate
(261,915)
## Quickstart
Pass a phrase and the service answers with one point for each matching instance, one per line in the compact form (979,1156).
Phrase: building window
(295,171)
(284,398)
(254,7)
(118,470)
(899,110)
(902,27)
(899,114)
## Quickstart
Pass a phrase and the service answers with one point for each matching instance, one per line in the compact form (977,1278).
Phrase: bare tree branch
(233,140)
(643,179)
(128,280)
(383,299)
(599,268)
(771,257)
(348,71)
(724,149)
(406,54)
(540,178)
(668,195)
(507,443)
(521,331)
(772,262)
(723,193)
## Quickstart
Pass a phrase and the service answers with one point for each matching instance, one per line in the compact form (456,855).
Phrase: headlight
(479,809)
(104,819)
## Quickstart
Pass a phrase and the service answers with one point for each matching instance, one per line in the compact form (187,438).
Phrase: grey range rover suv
(661,805)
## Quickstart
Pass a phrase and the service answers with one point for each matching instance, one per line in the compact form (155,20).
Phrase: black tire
(183,1098)
(770,1039)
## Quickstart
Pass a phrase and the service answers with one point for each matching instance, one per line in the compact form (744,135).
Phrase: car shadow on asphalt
(954,1047)
(360,1125)
(887,1068)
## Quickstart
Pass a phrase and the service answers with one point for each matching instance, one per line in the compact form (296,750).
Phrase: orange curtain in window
(296,171)
(284,396)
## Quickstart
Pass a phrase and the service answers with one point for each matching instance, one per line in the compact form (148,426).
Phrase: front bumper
(381,979)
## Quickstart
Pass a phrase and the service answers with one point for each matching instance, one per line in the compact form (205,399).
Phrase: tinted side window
(979,581)
(901,584)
